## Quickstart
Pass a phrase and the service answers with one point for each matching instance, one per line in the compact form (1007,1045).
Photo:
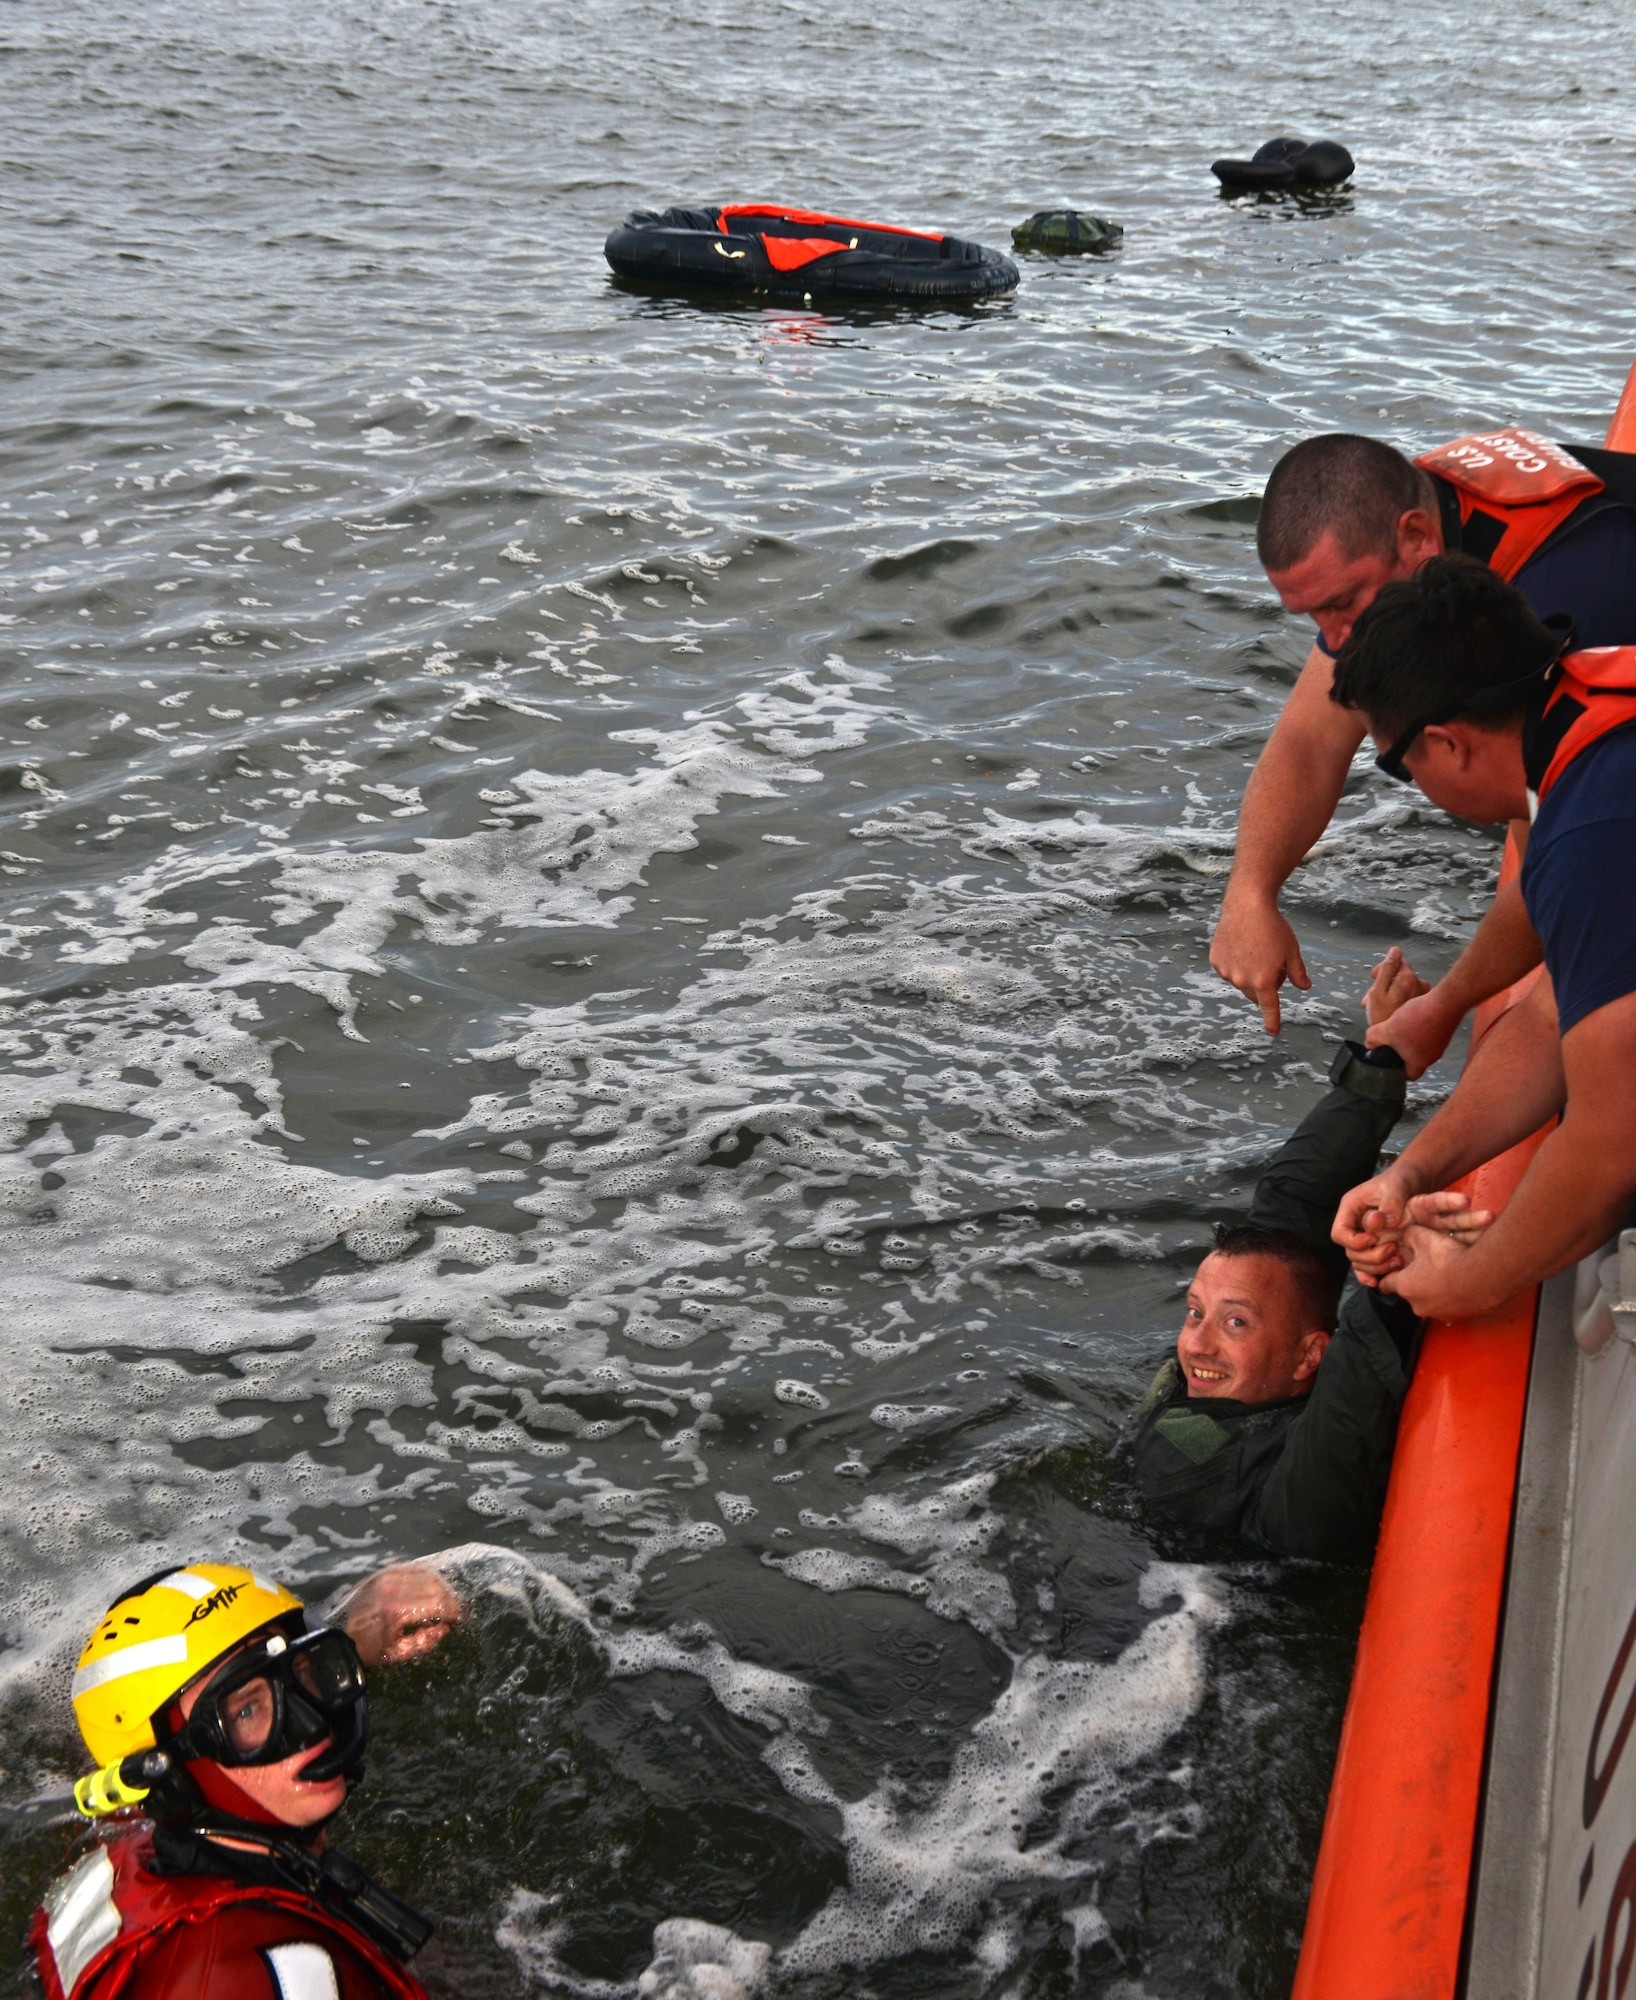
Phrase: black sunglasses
(1486,701)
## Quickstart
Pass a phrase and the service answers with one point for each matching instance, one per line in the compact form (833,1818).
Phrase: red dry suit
(112,1927)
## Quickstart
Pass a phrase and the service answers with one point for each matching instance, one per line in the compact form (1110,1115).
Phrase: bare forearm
(1576,1192)
(1287,804)
(1504,948)
(1290,798)
(1568,1204)
(1512,1084)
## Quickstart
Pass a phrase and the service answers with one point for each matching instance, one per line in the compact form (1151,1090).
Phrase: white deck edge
(1508,1894)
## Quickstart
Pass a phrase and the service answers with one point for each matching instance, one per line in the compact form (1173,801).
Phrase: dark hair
(1317,1289)
(1449,632)
(1355,486)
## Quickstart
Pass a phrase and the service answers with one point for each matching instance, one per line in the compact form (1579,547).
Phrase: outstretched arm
(1345,1130)
(1504,948)
(1513,1082)
(1289,800)
(1576,1192)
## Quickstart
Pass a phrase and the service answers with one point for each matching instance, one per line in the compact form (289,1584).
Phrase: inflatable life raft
(790,253)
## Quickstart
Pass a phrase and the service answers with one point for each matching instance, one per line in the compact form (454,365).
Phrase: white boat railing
(1553,1913)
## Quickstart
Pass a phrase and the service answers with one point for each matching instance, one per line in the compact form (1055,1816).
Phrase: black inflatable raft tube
(1287,163)
(792,253)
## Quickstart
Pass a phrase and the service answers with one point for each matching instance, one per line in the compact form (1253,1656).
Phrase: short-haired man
(1276,1417)
(1342,517)
(1465,696)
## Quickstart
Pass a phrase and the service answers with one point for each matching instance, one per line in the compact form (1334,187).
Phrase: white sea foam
(699,1961)
(909,1416)
(755,1694)
(951,1531)
(804,1395)
(167,1232)
(692,1960)
(1029,1780)
(834,1570)
(930,1872)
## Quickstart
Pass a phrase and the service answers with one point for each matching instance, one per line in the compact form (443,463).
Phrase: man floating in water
(1277,1415)
(228,1737)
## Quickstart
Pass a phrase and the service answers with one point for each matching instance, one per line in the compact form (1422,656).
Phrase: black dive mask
(278,1697)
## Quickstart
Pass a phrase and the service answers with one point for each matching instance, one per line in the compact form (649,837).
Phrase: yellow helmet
(157,1638)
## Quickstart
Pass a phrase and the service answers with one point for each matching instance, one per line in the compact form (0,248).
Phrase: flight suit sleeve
(1333,1149)
(1323,1494)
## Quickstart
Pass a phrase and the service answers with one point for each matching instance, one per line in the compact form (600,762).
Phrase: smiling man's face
(1245,1336)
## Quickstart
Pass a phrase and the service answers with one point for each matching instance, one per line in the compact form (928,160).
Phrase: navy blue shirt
(1590,574)
(1579,877)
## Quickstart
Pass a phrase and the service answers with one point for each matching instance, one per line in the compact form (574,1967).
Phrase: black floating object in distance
(1249,174)
(1325,163)
(1065,232)
(1287,163)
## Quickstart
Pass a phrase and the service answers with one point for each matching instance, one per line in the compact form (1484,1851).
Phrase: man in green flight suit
(1276,1417)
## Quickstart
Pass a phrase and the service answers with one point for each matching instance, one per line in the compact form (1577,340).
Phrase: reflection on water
(605,959)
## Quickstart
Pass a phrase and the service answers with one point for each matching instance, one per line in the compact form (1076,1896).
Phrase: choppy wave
(607,909)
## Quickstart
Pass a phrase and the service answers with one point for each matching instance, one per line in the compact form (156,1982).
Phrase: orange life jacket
(1515,489)
(1588,695)
(789,253)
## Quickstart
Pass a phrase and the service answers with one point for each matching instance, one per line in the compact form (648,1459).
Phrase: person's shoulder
(1162,1388)
(1598,786)
(1373,1334)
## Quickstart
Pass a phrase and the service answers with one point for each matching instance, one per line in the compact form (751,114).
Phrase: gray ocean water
(606,918)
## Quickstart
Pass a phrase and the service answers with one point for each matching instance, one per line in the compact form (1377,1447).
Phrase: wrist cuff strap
(1383,1083)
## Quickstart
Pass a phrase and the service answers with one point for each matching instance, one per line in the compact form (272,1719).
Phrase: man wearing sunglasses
(227,1738)
(1342,517)
(1470,697)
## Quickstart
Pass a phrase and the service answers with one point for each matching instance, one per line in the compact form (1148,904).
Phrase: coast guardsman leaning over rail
(227,1737)
(1342,517)
(1492,715)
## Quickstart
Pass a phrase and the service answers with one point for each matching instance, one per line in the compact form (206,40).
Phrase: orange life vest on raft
(790,253)
(1514,488)
(1588,695)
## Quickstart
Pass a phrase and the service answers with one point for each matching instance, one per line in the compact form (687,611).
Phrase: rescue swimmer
(1276,1417)
(227,1737)
(1492,714)
(1342,517)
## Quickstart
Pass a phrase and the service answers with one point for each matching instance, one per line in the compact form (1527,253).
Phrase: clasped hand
(1405,1242)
